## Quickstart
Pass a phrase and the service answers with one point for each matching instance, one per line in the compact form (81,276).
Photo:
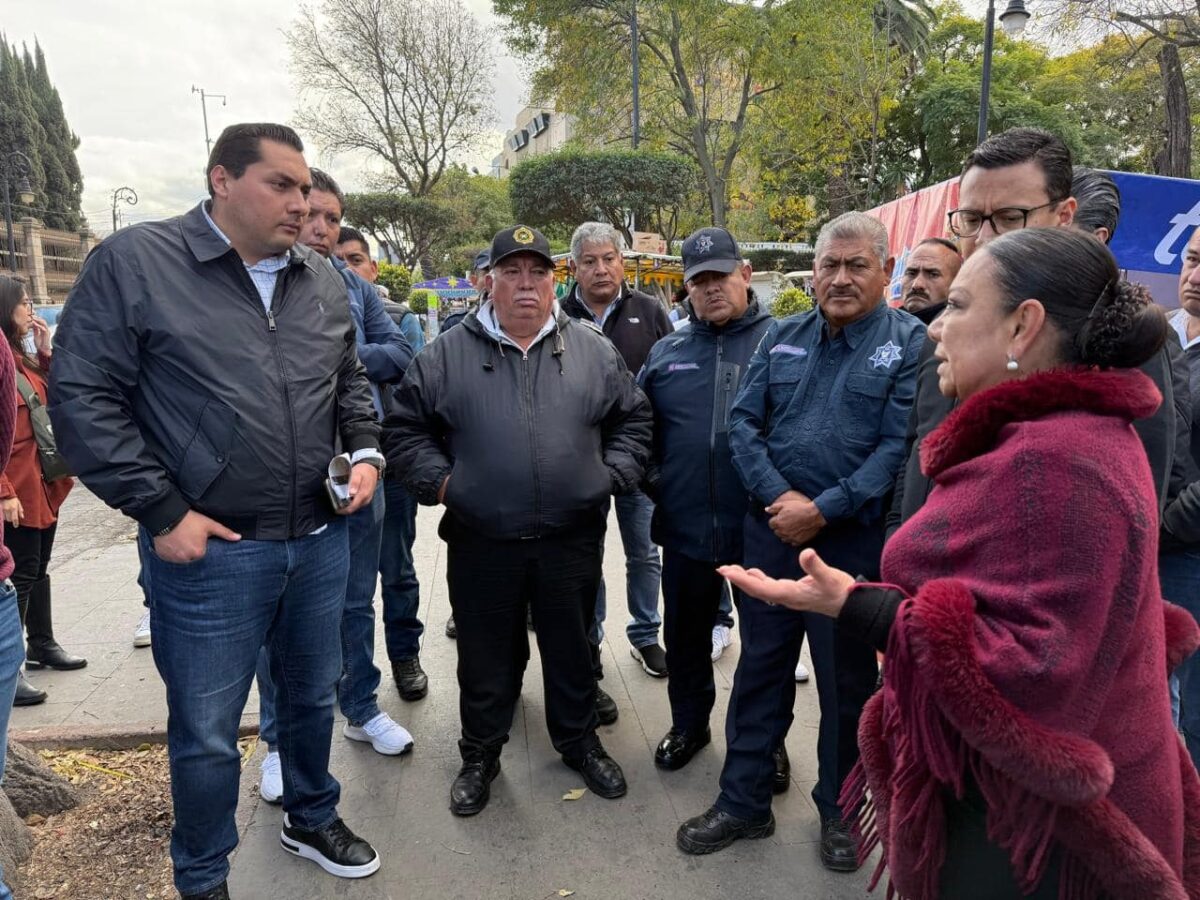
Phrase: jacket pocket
(865,398)
(207,454)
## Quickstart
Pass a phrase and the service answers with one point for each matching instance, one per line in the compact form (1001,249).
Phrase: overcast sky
(125,69)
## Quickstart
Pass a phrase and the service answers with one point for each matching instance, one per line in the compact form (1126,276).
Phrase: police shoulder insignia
(886,355)
(523,235)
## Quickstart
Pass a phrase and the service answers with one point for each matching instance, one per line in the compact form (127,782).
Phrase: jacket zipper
(712,456)
(287,398)
(537,480)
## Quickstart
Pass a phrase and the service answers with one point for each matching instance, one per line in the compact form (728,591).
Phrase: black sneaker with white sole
(653,659)
(335,848)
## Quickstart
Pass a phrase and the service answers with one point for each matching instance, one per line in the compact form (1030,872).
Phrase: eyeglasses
(969,222)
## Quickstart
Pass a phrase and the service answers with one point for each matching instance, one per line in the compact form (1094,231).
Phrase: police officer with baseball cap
(522,423)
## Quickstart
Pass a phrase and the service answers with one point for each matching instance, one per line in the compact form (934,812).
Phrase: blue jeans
(357,697)
(643,572)
(210,618)
(398,577)
(12,655)
(1179,576)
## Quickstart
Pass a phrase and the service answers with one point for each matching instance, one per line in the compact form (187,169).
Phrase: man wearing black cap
(691,378)
(522,423)
(479,270)
(817,438)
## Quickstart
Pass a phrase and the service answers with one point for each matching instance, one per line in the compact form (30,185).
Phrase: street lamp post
(633,33)
(14,166)
(1012,20)
(204,109)
(127,194)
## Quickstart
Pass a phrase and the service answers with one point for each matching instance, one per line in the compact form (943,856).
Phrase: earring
(1012,364)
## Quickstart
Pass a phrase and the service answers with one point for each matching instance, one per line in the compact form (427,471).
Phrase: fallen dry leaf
(563,892)
(574,794)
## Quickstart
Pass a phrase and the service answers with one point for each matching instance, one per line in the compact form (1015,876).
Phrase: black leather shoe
(52,656)
(335,848)
(411,680)
(220,892)
(27,694)
(451,629)
(783,770)
(606,707)
(715,830)
(839,849)
(472,786)
(601,773)
(677,749)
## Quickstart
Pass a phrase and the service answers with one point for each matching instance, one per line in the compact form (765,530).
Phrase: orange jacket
(22,479)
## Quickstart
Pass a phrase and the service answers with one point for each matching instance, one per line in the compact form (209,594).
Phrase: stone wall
(49,260)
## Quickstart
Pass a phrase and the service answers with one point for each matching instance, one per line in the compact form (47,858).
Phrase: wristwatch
(379,462)
(163,532)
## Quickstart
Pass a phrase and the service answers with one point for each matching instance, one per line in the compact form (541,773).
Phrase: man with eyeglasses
(1020,178)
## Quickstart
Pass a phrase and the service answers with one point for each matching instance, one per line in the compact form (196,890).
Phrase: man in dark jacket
(928,273)
(479,270)
(522,422)
(817,435)
(385,354)
(633,321)
(219,449)
(691,379)
(1023,178)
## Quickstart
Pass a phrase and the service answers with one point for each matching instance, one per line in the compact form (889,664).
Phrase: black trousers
(30,549)
(764,686)
(492,583)
(691,596)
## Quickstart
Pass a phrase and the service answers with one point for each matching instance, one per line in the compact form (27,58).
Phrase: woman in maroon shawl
(1022,742)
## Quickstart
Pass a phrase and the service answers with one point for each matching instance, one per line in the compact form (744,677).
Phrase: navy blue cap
(483,260)
(520,239)
(710,250)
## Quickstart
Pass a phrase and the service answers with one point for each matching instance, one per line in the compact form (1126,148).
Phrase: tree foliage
(614,186)
(408,225)
(789,302)
(405,81)
(32,122)
(397,279)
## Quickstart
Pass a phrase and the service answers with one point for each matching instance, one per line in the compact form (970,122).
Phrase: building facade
(539,130)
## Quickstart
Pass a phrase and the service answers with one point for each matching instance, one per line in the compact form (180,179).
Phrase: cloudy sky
(125,70)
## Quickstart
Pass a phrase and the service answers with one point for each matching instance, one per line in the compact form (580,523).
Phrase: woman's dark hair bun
(1124,329)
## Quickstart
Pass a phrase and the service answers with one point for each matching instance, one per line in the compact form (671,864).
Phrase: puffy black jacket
(691,378)
(173,389)
(634,326)
(534,443)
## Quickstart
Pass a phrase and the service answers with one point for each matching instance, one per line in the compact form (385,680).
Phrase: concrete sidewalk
(528,843)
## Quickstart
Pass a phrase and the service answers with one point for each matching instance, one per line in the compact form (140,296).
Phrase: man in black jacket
(691,378)
(522,422)
(219,447)
(633,321)
(1023,178)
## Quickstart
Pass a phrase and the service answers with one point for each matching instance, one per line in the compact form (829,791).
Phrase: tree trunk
(1175,158)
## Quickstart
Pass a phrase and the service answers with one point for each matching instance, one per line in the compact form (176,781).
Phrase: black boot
(411,680)
(27,694)
(220,892)
(42,649)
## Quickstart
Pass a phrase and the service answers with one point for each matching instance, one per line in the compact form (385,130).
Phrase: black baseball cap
(710,250)
(520,239)
(483,260)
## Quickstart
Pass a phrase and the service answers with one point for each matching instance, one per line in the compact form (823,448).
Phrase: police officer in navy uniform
(691,378)
(817,434)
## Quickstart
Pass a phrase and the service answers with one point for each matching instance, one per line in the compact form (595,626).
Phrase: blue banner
(1157,217)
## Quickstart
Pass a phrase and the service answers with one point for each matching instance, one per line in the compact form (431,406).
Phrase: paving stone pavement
(528,844)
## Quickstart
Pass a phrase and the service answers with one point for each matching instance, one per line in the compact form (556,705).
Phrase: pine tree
(63,180)
(19,127)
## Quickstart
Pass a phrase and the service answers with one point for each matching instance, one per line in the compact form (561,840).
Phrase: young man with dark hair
(385,355)
(219,449)
(1099,202)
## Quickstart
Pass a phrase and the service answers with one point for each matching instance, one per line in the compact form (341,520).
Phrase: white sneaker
(141,634)
(721,638)
(270,782)
(381,733)
(801,673)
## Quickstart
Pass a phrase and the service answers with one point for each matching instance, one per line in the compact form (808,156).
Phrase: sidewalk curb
(103,737)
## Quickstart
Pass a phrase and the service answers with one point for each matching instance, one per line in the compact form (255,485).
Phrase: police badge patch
(886,355)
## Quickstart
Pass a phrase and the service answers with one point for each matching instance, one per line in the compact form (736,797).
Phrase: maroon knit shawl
(1033,655)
